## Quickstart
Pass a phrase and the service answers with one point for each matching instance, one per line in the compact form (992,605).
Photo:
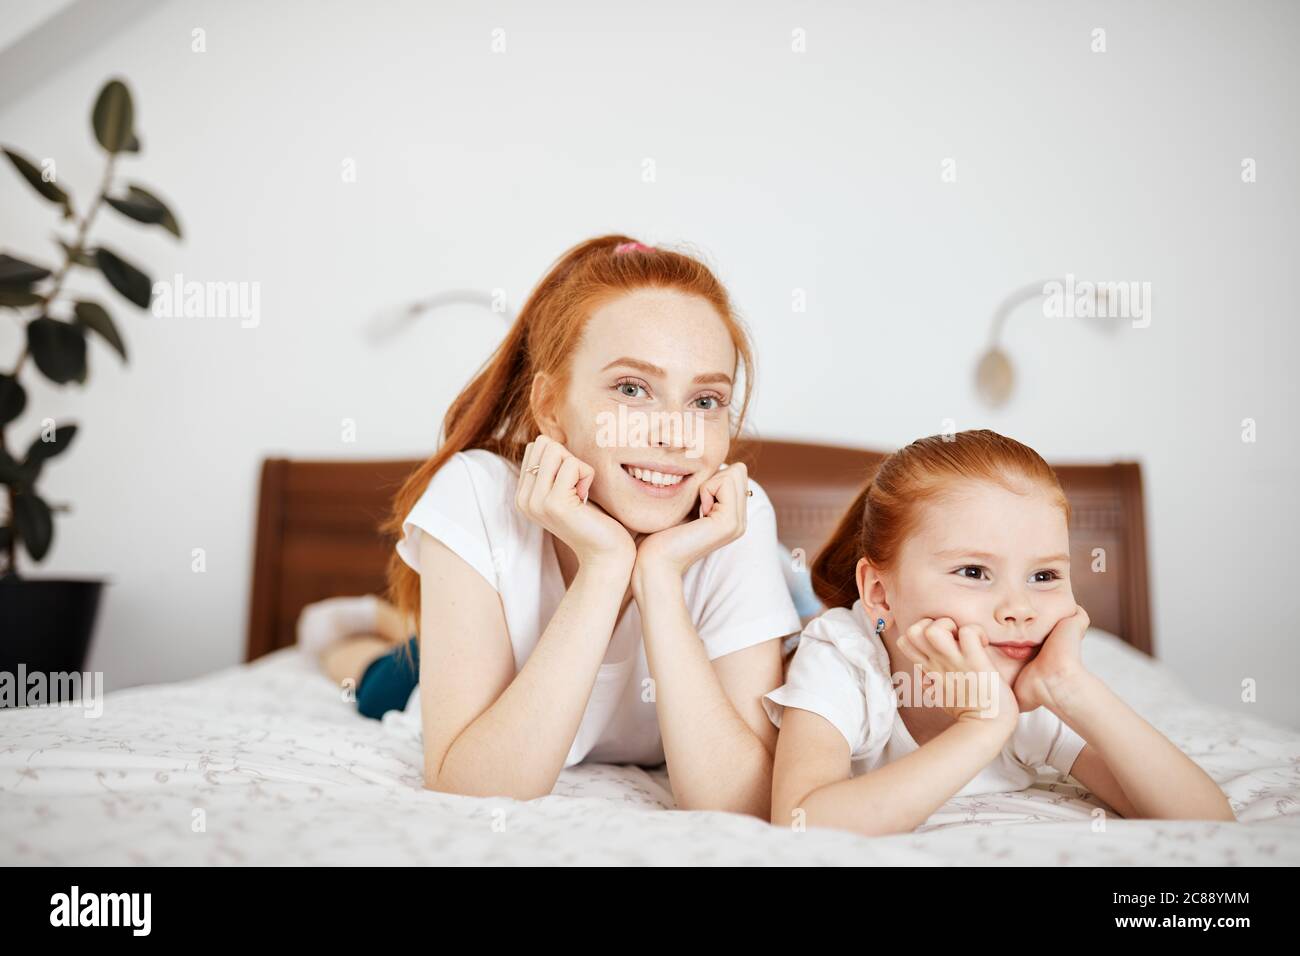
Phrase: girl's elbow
(780,816)
(431,782)
(786,812)
(1217,809)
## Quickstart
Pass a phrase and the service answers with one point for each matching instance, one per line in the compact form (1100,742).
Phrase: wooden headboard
(317,531)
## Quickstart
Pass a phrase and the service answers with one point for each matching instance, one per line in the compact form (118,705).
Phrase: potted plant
(46,625)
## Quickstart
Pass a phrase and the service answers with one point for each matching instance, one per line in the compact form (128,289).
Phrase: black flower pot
(46,626)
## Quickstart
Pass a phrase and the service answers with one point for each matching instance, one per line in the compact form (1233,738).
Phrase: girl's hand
(724,511)
(555,497)
(953,661)
(1059,663)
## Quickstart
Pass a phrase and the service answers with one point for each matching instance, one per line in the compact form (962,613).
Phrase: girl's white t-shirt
(736,596)
(841,671)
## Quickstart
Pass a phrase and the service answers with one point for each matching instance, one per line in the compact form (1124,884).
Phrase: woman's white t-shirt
(736,596)
(841,671)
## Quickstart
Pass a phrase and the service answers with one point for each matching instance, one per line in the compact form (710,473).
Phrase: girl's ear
(542,402)
(871,588)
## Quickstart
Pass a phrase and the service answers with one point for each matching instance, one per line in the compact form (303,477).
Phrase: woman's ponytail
(494,411)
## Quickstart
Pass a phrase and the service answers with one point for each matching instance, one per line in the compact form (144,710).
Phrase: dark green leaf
(13,399)
(17,273)
(39,451)
(166,220)
(18,298)
(139,211)
(11,472)
(57,444)
(59,349)
(133,284)
(34,522)
(93,316)
(113,117)
(32,174)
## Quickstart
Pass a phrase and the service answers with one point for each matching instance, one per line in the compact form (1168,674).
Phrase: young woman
(953,566)
(591,579)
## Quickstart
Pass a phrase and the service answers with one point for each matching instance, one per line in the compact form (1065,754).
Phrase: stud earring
(880,626)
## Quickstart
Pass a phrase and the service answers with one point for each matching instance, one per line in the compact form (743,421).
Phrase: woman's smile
(663,482)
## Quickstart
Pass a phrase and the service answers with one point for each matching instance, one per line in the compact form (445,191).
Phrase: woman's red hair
(493,411)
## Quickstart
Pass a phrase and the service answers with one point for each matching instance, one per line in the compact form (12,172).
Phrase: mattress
(268,764)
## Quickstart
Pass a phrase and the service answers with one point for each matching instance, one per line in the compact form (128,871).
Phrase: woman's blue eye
(632,385)
(979,572)
(709,398)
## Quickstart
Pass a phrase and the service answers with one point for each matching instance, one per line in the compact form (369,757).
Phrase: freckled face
(985,555)
(646,404)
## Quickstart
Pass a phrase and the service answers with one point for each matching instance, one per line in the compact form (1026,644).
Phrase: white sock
(323,623)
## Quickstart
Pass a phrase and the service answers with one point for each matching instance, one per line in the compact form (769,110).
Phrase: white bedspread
(266,764)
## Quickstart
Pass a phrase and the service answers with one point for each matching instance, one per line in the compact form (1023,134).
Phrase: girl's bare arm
(1130,764)
(812,785)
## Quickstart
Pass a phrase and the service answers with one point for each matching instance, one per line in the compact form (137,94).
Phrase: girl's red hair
(888,509)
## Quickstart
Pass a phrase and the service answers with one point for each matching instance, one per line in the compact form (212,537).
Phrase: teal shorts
(388,681)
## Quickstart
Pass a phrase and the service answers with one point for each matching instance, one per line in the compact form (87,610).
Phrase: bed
(268,763)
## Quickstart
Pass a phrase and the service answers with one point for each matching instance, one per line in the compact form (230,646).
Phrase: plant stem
(83,227)
(11,546)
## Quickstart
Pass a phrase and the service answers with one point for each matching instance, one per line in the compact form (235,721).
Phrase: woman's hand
(724,511)
(955,663)
(553,489)
(1058,665)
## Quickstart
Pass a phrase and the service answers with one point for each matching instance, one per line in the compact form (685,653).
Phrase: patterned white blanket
(266,764)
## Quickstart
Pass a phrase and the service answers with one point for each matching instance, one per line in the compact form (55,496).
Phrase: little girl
(951,571)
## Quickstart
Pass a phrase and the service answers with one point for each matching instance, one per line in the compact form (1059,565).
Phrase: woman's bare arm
(487,730)
(717,738)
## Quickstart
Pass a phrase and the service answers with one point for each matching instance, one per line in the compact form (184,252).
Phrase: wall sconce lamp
(995,373)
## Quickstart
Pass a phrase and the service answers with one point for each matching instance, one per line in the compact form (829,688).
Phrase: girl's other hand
(953,659)
(553,489)
(1059,663)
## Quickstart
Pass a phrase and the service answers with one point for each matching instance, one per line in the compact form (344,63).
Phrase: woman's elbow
(725,803)
(1222,810)
(464,788)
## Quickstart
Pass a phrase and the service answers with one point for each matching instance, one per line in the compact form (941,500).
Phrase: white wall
(818,171)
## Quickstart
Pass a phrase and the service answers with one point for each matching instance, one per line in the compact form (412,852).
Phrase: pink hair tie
(623,247)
